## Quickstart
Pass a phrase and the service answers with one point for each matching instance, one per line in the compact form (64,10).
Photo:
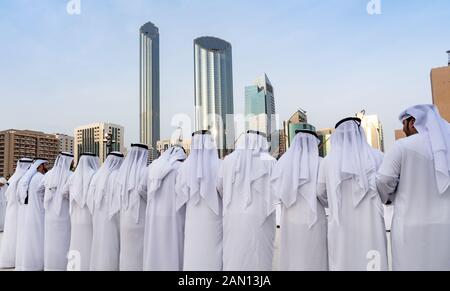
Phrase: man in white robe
(346,185)
(57,216)
(132,208)
(248,206)
(106,225)
(415,177)
(30,245)
(164,224)
(9,240)
(196,190)
(3,203)
(77,190)
(303,241)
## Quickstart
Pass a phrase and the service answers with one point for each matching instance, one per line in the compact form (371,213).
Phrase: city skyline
(320,56)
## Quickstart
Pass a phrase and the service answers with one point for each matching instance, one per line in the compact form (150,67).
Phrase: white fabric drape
(196,190)
(303,234)
(132,208)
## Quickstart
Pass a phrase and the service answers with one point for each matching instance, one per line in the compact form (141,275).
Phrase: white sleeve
(219,182)
(389,174)
(322,184)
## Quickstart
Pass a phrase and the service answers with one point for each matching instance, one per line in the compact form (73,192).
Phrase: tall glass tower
(214,90)
(149,85)
(260,106)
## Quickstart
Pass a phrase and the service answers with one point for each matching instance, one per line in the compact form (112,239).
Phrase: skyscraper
(260,106)
(440,85)
(213,73)
(99,139)
(149,85)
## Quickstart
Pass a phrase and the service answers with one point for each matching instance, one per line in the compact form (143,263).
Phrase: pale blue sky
(329,57)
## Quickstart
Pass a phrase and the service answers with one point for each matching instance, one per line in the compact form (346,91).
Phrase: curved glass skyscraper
(214,90)
(149,85)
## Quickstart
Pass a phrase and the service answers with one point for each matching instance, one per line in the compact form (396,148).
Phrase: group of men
(200,213)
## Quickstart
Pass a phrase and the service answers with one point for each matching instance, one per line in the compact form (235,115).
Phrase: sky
(329,57)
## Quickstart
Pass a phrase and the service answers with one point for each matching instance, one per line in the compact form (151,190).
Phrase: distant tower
(149,85)
(214,89)
(448,52)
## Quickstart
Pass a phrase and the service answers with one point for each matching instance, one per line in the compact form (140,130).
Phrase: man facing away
(415,177)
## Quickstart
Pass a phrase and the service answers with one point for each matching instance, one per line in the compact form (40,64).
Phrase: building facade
(325,141)
(440,86)
(17,144)
(374,131)
(298,120)
(98,138)
(165,144)
(213,74)
(149,85)
(65,142)
(260,106)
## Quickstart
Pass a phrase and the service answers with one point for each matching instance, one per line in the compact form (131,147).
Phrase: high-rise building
(298,120)
(98,138)
(260,106)
(17,144)
(440,86)
(149,85)
(65,142)
(325,141)
(374,131)
(213,73)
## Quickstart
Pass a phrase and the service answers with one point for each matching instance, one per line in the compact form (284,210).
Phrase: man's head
(3,182)
(408,126)
(43,168)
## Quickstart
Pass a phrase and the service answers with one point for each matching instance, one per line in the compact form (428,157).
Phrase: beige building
(98,138)
(440,86)
(163,145)
(65,143)
(17,144)
(374,131)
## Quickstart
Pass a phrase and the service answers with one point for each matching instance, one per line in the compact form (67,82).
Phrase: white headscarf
(429,123)
(22,166)
(249,165)
(351,157)
(128,179)
(99,182)
(55,180)
(24,183)
(81,179)
(198,175)
(296,173)
(160,168)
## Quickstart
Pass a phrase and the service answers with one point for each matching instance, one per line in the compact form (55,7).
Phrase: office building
(17,144)
(98,138)
(149,85)
(65,142)
(213,74)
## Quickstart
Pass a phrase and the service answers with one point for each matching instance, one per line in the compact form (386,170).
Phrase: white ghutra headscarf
(129,180)
(22,167)
(296,173)
(81,179)
(429,123)
(55,180)
(24,183)
(99,183)
(351,157)
(198,175)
